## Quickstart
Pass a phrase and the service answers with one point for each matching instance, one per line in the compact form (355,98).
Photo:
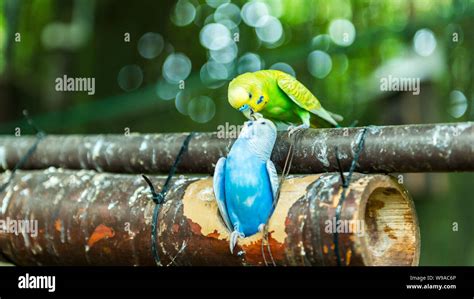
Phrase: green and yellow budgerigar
(279,97)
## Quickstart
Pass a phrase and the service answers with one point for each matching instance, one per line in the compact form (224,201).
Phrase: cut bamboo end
(392,235)
(377,224)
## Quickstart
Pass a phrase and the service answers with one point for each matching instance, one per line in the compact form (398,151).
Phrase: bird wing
(302,97)
(219,191)
(273,175)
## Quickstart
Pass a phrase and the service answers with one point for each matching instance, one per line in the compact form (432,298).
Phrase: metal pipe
(406,148)
(89,218)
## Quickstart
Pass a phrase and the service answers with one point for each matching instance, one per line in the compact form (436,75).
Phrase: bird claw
(233,239)
(296,129)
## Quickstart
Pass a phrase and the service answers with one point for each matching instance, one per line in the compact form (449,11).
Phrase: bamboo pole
(90,218)
(406,148)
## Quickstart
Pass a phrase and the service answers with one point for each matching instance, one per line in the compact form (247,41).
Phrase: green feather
(287,100)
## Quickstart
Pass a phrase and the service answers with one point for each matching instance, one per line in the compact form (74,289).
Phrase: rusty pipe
(90,218)
(405,148)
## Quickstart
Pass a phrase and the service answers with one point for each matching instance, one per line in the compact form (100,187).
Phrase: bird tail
(233,239)
(325,118)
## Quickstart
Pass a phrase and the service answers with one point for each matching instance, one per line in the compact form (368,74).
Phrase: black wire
(284,174)
(32,124)
(345,185)
(159,198)
(155,196)
(39,136)
(341,173)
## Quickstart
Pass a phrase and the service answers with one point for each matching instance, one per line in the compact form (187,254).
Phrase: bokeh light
(228,12)
(150,45)
(177,67)
(457,104)
(424,42)
(253,11)
(249,62)
(201,109)
(216,3)
(130,77)
(183,13)
(284,67)
(319,64)
(342,32)
(215,36)
(233,28)
(213,74)
(182,101)
(165,90)
(321,42)
(225,55)
(269,29)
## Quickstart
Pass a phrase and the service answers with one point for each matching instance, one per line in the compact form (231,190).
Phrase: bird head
(261,135)
(247,94)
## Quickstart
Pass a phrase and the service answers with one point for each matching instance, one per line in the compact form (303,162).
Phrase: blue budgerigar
(246,182)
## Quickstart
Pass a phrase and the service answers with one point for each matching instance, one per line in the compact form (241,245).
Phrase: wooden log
(89,218)
(405,148)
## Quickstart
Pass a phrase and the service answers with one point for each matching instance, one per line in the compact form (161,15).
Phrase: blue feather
(245,182)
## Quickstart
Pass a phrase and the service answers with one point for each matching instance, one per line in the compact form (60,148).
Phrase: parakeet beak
(247,111)
(243,108)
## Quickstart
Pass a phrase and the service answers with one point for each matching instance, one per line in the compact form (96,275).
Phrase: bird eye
(250,95)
